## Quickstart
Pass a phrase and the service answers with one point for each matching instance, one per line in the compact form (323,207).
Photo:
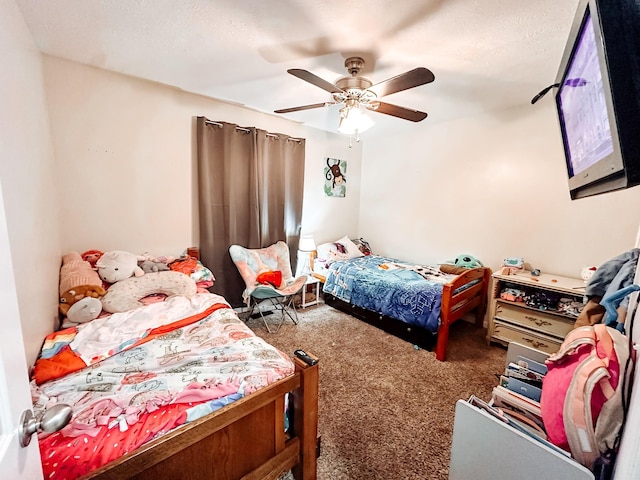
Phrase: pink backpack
(581,400)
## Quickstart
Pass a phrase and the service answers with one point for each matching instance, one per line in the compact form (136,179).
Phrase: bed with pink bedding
(134,376)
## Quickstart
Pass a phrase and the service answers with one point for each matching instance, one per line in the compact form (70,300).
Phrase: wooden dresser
(515,321)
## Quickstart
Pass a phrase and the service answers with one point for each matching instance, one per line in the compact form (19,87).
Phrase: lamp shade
(354,121)
(307,244)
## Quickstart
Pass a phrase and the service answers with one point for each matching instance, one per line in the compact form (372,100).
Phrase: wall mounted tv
(598,97)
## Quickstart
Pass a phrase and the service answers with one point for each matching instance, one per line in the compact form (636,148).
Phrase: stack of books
(520,386)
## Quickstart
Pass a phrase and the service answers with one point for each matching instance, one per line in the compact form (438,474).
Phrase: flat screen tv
(598,97)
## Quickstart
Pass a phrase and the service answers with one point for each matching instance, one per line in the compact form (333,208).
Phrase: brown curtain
(250,186)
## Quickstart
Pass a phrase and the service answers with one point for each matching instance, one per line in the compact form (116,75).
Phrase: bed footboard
(458,298)
(244,440)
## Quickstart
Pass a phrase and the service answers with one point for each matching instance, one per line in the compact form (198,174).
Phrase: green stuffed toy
(467,261)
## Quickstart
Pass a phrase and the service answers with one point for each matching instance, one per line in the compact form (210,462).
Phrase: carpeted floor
(386,409)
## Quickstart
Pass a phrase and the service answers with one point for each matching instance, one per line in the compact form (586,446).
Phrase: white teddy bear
(118,265)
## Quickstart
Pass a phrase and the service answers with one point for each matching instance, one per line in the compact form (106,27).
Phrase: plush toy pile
(95,283)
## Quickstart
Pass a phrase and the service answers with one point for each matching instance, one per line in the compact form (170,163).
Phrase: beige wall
(124,150)
(28,179)
(491,186)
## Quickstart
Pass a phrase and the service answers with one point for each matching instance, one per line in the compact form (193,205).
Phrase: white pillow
(323,251)
(352,249)
(329,252)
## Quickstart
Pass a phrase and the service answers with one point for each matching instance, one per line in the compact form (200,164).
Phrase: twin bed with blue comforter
(417,303)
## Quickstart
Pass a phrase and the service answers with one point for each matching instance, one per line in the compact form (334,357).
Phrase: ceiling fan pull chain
(351,139)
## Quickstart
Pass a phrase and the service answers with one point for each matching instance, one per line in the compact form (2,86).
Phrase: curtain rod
(272,135)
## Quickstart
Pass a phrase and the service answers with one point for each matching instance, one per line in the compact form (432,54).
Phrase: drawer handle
(537,321)
(535,343)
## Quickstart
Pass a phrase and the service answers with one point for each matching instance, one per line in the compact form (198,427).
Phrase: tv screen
(598,98)
(581,100)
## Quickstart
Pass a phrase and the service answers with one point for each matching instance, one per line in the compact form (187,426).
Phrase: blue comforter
(398,292)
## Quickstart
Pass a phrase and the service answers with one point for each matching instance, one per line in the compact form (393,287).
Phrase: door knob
(52,420)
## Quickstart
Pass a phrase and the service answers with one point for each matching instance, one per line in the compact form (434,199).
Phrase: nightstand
(316,283)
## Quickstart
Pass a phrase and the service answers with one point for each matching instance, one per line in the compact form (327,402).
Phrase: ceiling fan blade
(314,80)
(304,107)
(400,112)
(412,78)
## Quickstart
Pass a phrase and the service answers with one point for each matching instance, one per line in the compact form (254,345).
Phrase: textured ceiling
(486,55)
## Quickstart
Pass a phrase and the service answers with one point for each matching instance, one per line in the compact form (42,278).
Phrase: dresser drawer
(506,333)
(554,325)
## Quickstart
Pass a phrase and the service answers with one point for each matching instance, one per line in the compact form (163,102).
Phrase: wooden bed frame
(244,440)
(454,306)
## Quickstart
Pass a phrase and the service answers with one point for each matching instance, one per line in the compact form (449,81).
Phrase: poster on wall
(335,184)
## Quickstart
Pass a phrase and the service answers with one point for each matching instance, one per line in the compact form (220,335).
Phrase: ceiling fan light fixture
(353,120)
(358,95)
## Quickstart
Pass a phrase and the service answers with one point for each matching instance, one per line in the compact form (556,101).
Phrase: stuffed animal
(118,265)
(84,311)
(126,294)
(467,261)
(152,264)
(149,266)
(70,297)
(91,256)
(77,281)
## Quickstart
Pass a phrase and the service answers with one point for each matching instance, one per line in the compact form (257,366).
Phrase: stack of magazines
(521,384)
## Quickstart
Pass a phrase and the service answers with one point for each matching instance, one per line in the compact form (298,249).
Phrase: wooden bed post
(305,424)
(443,337)
(443,331)
(482,308)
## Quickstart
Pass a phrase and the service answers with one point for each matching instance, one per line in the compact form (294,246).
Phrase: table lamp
(306,247)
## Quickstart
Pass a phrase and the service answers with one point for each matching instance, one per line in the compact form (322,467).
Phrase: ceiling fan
(359,94)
